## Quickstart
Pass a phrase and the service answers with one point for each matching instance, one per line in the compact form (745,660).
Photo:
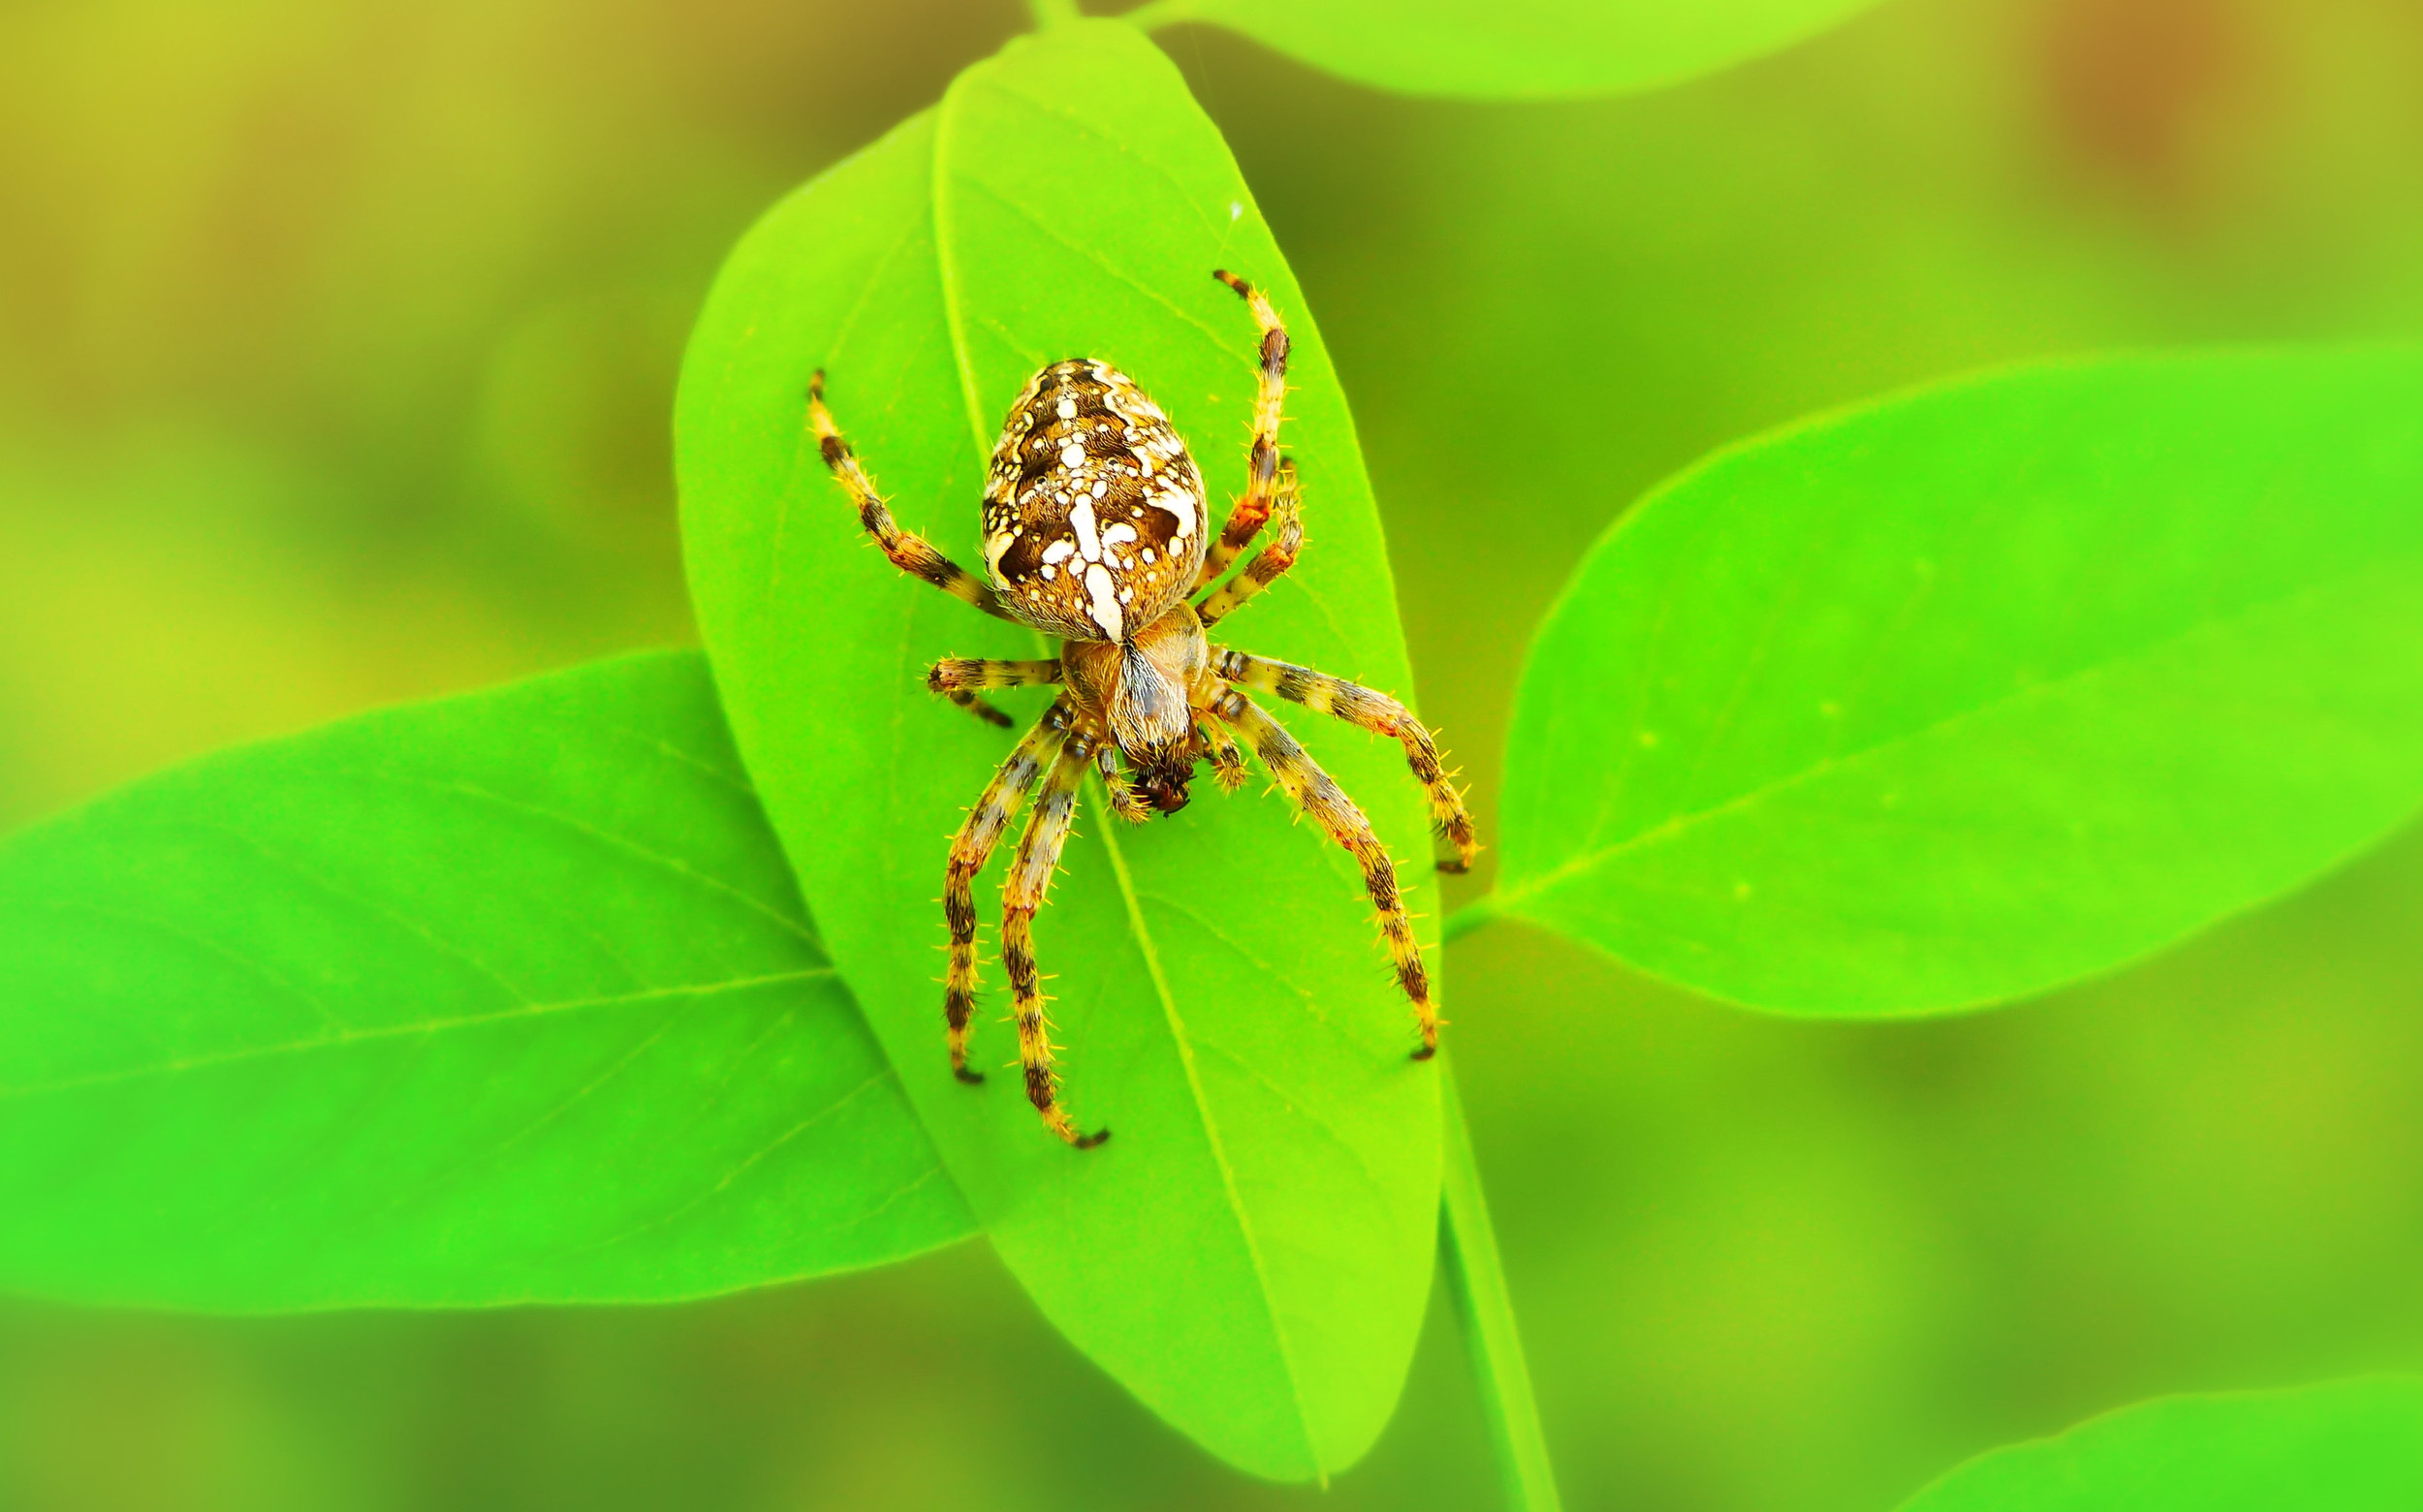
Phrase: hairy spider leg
(1123,800)
(1318,794)
(1028,885)
(1272,563)
(973,845)
(1214,744)
(957,678)
(1372,710)
(979,708)
(909,552)
(1253,508)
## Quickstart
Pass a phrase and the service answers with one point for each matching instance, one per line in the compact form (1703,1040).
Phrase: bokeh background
(336,346)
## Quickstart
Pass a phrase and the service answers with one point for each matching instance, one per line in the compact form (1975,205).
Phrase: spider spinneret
(1097,532)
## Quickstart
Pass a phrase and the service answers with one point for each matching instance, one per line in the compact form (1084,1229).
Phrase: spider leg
(909,552)
(1372,710)
(978,706)
(969,850)
(1286,540)
(1213,744)
(1123,800)
(1028,885)
(1245,520)
(957,679)
(1318,794)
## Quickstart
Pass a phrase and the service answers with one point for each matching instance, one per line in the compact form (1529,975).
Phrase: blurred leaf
(1514,48)
(1966,694)
(504,998)
(2347,1446)
(1250,1254)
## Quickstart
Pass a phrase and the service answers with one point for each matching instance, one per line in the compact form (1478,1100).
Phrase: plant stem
(1054,13)
(1469,1248)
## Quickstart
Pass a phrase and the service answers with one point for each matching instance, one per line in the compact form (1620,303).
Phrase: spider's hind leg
(981,831)
(1318,794)
(1030,884)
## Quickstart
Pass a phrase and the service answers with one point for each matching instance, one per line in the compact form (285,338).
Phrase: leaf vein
(417,1028)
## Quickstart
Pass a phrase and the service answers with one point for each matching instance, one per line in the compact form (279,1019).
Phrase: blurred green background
(336,346)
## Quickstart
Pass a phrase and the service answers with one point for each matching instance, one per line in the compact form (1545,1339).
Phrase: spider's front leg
(958,678)
(912,554)
(1022,894)
(1253,509)
(978,835)
(1370,709)
(1318,794)
(1124,800)
(1214,744)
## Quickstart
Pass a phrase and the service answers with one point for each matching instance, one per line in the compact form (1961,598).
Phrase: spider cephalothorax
(1096,532)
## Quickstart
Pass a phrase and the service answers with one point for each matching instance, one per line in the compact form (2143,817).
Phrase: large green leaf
(1497,49)
(504,998)
(1972,692)
(1251,1251)
(2348,1446)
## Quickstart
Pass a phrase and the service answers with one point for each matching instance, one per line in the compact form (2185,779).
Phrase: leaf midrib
(956,323)
(1674,826)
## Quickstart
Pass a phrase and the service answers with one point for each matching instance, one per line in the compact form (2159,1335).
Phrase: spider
(1096,532)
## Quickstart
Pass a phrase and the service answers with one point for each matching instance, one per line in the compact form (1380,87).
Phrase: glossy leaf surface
(1972,692)
(1251,1251)
(2348,1446)
(1515,48)
(504,998)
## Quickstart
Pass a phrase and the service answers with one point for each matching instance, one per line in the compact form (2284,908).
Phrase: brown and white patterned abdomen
(1094,515)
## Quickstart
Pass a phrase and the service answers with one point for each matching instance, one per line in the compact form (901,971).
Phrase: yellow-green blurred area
(336,348)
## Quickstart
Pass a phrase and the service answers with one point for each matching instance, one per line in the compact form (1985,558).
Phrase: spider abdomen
(1094,522)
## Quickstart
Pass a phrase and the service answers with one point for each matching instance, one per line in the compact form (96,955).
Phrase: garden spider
(1096,532)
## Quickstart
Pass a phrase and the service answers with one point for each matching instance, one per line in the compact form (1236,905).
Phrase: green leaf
(504,998)
(1250,1254)
(1975,691)
(1521,50)
(2346,1446)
